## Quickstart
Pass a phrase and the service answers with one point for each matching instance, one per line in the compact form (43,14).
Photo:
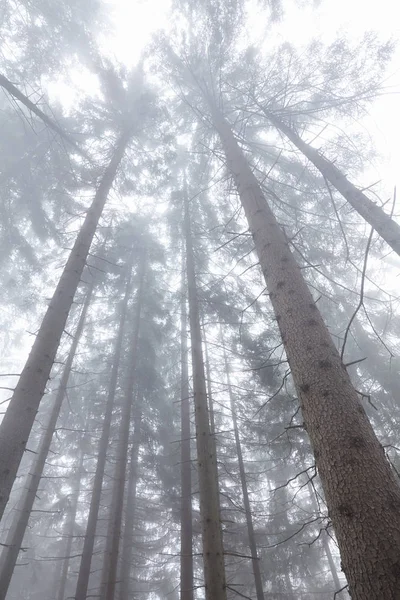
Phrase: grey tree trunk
(128,538)
(325,543)
(243,480)
(69,529)
(186,582)
(213,552)
(388,229)
(361,492)
(88,545)
(17,530)
(21,412)
(109,574)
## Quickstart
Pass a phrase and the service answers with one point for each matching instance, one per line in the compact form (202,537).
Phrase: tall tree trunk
(246,501)
(127,538)
(209,387)
(388,229)
(213,552)
(109,575)
(69,529)
(17,530)
(186,464)
(325,543)
(361,492)
(88,545)
(21,412)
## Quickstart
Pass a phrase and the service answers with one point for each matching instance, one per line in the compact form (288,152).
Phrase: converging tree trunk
(213,552)
(88,544)
(361,492)
(21,412)
(128,537)
(388,229)
(246,501)
(186,582)
(17,530)
(70,527)
(109,574)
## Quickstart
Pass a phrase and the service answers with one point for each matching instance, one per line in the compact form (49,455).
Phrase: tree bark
(109,574)
(127,538)
(325,543)
(388,229)
(17,530)
(243,480)
(186,581)
(361,492)
(21,412)
(88,545)
(213,552)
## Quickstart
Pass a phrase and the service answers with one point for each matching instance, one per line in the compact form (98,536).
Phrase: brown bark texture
(387,228)
(90,533)
(213,553)
(361,491)
(21,412)
(186,580)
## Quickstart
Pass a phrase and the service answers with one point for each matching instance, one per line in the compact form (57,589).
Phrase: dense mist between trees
(200,250)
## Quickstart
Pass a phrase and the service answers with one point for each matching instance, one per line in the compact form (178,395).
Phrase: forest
(200,317)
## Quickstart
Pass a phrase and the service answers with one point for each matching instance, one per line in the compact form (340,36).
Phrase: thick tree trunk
(361,492)
(388,229)
(246,501)
(209,387)
(21,412)
(128,538)
(213,552)
(109,574)
(69,529)
(17,530)
(88,545)
(186,582)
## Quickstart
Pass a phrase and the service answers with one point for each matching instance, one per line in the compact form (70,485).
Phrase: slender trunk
(209,388)
(186,464)
(213,552)
(388,229)
(361,492)
(21,412)
(325,543)
(69,529)
(17,530)
(246,501)
(88,545)
(109,575)
(127,538)
(15,92)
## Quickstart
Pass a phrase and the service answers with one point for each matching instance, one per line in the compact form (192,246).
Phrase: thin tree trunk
(213,552)
(127,538)
(21,412)
(88,545)
(186,464)
(109,575)
(361,492)
(388,229)
(325,543)
(15,93)
(17,530)
(69,529)
(246,501)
